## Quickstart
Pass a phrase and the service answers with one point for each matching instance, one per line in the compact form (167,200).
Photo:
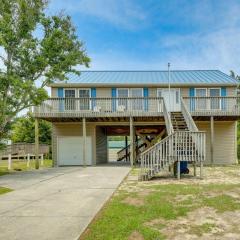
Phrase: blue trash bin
(183,168)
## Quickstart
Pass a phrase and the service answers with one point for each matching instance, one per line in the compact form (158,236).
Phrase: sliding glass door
(215,101)
(201,103)
(136,101)
(84,101)
(70,103)
(122,94)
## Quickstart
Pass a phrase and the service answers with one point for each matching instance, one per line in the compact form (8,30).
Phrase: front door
(171,98)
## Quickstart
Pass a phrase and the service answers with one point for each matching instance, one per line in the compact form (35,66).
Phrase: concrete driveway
(57,203)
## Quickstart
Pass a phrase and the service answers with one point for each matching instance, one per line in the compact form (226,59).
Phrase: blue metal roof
(178,77)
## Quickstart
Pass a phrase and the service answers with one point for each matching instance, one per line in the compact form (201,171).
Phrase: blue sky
(147,34)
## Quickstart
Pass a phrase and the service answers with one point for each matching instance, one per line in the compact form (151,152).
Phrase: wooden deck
(119,109)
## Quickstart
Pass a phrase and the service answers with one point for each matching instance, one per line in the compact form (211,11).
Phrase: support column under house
(84,134)
(132,142)
(212,140)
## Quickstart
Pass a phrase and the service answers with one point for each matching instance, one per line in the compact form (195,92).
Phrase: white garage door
(70,151)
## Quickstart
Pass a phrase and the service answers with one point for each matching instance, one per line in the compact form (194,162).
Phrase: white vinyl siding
(224,141)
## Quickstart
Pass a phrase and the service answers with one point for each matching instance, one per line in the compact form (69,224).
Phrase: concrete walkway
(57,203)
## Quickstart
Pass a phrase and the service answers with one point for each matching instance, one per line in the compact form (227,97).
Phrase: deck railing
(179,146)
(213,105)
(23,149)
(91,107)
(141,106)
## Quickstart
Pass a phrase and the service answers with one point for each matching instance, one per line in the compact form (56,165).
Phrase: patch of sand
(136,236)
(133,201)
(224,225)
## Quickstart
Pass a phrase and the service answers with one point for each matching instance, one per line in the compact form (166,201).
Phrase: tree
(23,130)
(35,49)
(233,75)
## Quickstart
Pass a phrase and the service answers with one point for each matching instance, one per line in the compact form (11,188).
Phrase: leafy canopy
(23,130)
(35,49)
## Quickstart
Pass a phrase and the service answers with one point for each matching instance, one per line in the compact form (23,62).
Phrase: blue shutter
(223,94)
(93,95)
(192,101)
(145,95)
(114,100)
(61,102)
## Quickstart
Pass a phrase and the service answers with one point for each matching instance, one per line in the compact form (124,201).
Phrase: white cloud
(121,13)
(211,43)
(216,50)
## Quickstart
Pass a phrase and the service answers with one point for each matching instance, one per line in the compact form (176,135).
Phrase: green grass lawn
(21,165)
(157,210)
(4,190)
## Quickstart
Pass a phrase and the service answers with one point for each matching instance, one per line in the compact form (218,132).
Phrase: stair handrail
(188,118)
(170,149)
(140,142)
(167,119)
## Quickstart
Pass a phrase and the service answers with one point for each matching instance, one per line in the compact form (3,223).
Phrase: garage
(70,151)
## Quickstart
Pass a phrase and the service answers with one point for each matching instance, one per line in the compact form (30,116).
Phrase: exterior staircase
(178,121)
(124,154)
(183,143)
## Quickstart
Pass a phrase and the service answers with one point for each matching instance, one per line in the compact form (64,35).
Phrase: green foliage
(237,77)
(23,131)
(233,75)
(35,50)
(4,190)
(238,140)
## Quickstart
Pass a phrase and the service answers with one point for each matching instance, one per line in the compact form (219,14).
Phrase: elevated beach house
(166,118)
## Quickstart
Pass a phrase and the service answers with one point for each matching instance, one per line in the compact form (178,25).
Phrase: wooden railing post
(194,169)
(28,160)
(9,162)
(201,170)
(178,170)
(36,144)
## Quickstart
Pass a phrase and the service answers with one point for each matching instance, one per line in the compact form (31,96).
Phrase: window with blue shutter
(192,101)
(145,95)
(223,94)
(114,100)
(61,101)
(93,97)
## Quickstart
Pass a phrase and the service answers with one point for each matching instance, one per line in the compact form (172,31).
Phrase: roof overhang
(103,85)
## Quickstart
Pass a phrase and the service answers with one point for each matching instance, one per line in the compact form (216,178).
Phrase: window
(215,101)
(70,103)
(84,101)
(201,103)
